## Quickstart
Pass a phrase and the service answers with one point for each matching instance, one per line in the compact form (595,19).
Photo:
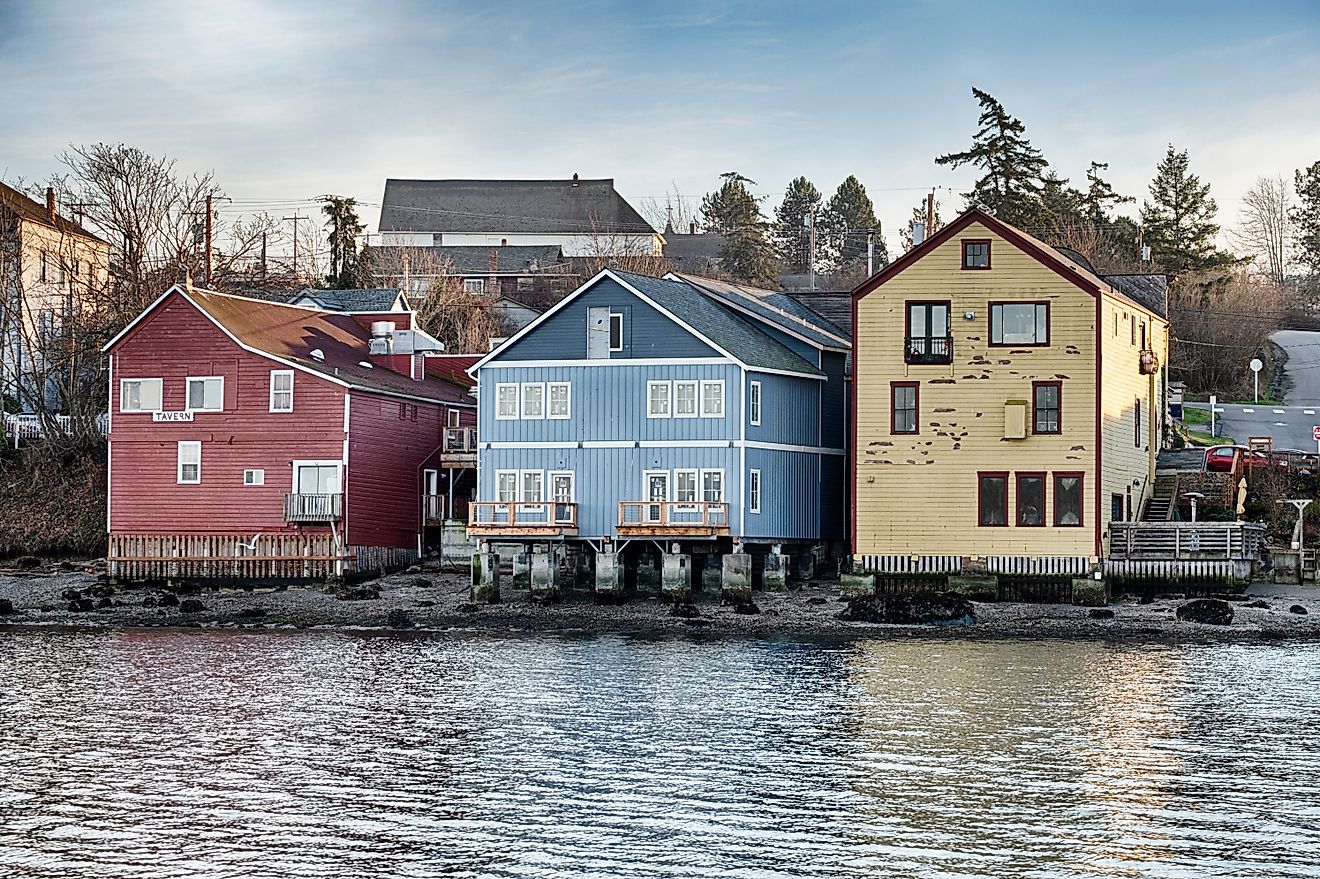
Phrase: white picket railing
(31,427)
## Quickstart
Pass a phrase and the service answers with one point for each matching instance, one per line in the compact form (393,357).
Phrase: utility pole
(870,252)
(930,213)
(295,218)
(209,231)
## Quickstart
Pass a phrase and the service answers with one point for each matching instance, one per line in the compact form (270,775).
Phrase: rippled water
(154,754)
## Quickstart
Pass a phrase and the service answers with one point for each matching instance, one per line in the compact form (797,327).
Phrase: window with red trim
(1046,407)
(992,500)
(904,407)
(1031,500)
(1068,503)
(976,253)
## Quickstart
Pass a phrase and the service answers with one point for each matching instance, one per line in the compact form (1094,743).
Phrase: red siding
(385,455)
(172,344)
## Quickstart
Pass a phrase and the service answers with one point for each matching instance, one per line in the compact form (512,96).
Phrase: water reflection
(243,754)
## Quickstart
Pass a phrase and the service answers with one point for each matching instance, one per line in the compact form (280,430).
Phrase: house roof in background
(775,308)
(718,323)
(693,253)
(366,299)
(35,212)
(510,258)
(289,333)
(1150,291)
(833,305)
(544,206)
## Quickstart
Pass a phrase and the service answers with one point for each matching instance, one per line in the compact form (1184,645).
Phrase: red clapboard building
(254,439)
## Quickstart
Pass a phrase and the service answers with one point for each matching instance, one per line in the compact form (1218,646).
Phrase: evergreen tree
(801,199)
(1306,217)
(919,216)
(1062,208)
(1013,169)
(1178,221)
(344,227)
(1100,198)
(732,211)
(844,223)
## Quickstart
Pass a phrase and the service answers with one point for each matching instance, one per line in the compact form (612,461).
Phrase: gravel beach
(432,599)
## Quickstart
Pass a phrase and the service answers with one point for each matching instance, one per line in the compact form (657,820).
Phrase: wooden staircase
(1159,508)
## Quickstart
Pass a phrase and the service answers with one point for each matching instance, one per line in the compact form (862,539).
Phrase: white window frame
(550,389)
(669,400)
(178,472)
(517,401)
(613,316)
(702,485)
(754,403)
(293,473)
(711,384)
(474,285)
(123,397)
(696,485)
(500,475)
(187,400)
(522,486)
(572,485)
(255,476)
(696,399)
(273,374)
(754,491)
(523,387)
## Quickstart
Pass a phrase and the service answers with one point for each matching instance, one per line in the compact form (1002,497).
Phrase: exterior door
(598,333)
(657,492)
(561,493)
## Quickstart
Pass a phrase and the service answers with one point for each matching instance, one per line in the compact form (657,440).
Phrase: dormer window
(976,254)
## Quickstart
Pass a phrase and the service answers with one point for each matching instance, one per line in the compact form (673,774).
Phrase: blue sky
(286,101)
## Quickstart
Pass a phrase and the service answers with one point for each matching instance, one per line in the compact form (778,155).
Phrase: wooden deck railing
(640,518)
(495,518)
(460,441)
(224,556)
(1185,541)
(313,507)
(433,507)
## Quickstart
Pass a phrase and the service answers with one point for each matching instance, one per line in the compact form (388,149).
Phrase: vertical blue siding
(646,332)
(834,412)
(790,409)
(790,499)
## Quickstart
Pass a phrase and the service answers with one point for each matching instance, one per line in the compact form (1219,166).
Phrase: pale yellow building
(1008,404)
(51,269)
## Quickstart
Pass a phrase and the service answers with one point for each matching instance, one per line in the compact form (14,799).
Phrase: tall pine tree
(1100,199)
(748,254)
(843,228)
(801,199)
(1012,169)
(1306,217)
(344,227)
(1178,222)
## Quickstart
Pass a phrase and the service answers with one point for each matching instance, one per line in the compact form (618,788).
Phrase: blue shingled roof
(718,323)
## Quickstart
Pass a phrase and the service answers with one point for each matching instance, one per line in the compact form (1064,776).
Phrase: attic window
(976,253)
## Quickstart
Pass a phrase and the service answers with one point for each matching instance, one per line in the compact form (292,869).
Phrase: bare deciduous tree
(465,322)
(1264,228)
(1219,321)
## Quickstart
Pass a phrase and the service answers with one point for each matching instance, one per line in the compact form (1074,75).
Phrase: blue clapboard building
(676,413)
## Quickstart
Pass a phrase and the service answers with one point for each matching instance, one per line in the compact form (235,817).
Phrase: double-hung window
(903,398)
(657,400)
(712,399)
(712,486)
(1019,323)
(506,486)
(1046,408)
(685,399)
(1068,499)
(506,402)
(927,337)
(206,394)
(685,486)
(754,403)
(1031,500)
(140,394)
(190,463)
(992,499)
(533,400)
(560,400)
(281,390)
(533,486)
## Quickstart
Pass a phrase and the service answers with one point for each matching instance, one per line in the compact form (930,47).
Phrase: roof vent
(318,355)
(365,364)
(575,178)
(381,329)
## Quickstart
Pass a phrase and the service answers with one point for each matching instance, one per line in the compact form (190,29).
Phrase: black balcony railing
(928,349)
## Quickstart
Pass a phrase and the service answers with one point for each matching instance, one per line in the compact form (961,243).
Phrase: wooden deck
(1183,550)
(224,556)
(672,519)
(495,519)
(459,450)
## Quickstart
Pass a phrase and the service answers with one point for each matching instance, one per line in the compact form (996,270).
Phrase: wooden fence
(224,556)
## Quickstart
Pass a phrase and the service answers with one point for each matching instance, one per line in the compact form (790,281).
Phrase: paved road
(1303,365)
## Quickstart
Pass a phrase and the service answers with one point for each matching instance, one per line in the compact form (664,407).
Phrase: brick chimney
(692,228)
(50,202)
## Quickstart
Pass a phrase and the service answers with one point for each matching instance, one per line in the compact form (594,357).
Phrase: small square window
(254,477)
(976,254)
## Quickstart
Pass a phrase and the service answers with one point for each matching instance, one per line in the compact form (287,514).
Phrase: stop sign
(1315,432)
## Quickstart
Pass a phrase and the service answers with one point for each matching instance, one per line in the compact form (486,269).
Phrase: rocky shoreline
(429,599)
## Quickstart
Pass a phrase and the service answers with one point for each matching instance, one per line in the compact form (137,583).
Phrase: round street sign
(1315,432)
(1255,364)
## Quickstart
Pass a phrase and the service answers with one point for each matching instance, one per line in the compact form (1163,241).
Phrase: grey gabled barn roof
(544,206)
